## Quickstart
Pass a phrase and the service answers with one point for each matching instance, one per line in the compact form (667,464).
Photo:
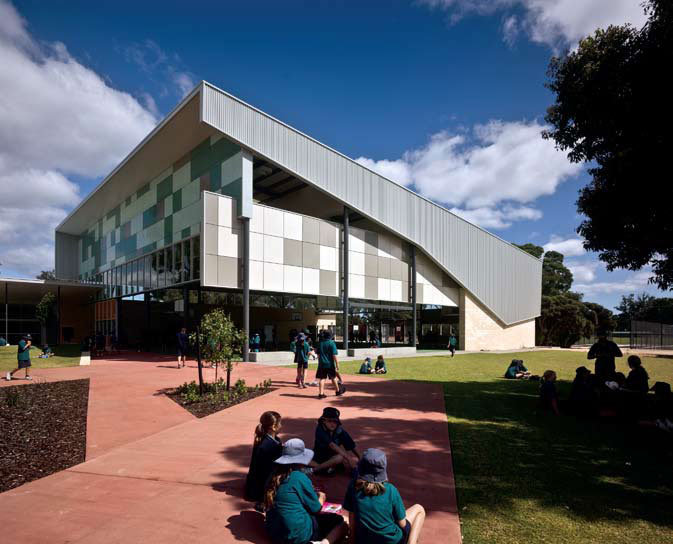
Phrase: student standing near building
(604,351)
(328,366)
(23,356)
(183,346)
(301,352)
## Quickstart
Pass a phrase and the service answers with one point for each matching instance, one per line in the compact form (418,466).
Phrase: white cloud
(569,247)
(154,61)
(551,22)
(487,174)
(493,163)
(636,282)
(57,118)
(583,271)
(492,218)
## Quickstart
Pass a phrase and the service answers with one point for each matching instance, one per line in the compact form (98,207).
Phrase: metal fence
(645,334)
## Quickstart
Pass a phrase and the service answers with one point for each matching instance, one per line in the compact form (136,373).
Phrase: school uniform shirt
(380,365)
(547,395)
(513,369)
(301,353)
(376,516)
(327,350)
(323,439)
(261,465)
(637,380)
(23,354)
(604,352)
(366,368)
(289,519)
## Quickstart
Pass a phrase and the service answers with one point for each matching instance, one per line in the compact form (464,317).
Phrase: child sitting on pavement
(380,367)
(366,367)
(333,445)
(375,509)
(266,448)
(293,508)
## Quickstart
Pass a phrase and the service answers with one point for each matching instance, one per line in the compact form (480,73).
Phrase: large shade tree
(613,111)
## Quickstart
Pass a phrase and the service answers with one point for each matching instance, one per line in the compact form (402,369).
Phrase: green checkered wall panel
(163,211)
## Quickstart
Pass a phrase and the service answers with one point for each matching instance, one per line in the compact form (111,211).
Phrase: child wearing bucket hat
(333,445)
(376,514)
(293,507)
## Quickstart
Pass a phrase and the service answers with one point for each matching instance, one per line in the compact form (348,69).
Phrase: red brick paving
(154,473)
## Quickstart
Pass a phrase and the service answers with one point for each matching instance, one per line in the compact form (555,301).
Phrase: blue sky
(446,96)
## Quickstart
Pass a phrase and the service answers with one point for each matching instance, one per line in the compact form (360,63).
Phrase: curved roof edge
(506,279)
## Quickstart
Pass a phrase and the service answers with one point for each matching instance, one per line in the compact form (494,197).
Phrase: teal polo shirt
(23,354)
(376,516)
(327,350)
(289,520)
(301,353)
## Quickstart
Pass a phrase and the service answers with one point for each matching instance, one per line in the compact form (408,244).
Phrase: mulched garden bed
(215,397)
(42,429)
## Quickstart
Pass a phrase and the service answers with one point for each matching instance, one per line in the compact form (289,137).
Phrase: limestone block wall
(480,330)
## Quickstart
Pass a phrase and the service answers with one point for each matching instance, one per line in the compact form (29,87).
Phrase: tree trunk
(228,375)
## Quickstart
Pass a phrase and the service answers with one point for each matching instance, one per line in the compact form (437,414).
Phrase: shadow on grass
(504,455)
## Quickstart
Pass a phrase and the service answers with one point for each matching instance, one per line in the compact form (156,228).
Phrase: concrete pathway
(154,473)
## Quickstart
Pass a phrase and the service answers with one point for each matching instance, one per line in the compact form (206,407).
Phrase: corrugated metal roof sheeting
(505,279)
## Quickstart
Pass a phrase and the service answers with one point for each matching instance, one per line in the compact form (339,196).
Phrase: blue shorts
(302,364)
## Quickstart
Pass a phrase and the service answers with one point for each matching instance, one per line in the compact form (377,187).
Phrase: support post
(6,312)
(345,278)
(59,340)
(185,306)
(245,211)
(414,318)
(245,273)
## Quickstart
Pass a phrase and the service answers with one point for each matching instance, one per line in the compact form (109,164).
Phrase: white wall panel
(292,276)
(273,277)
(328,258)
(310,281)
(292,226)
(356,286)
(273,249)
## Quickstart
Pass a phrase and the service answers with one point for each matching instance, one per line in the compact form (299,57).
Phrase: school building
(222,205)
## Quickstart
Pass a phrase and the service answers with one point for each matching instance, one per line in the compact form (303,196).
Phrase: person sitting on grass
(637,380)
(548,396)
(293,508)
(517,371)
(23,357)
(583,398)
(266,448)
(46,352)
(333,445)
(366,367)
(375,509)
(380,367)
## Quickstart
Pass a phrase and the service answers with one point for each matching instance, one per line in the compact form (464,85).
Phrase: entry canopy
(502,277)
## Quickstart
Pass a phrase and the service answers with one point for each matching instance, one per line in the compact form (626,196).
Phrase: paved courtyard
(155,473)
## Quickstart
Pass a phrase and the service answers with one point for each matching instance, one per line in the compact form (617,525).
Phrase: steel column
(245,272)
(6,312)
(414,319)
(345,278)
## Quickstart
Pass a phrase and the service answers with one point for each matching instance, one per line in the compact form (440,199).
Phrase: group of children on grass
(380,368)
(296,512)
(606,392)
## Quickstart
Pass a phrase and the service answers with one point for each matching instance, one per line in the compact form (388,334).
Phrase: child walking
(301,354)
(23,357)
(293,507)
(333,445)
(375,509)
(266,449)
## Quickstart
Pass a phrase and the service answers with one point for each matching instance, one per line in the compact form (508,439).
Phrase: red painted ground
(154,473)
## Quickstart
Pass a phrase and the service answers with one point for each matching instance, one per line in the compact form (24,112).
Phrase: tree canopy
(46,275)
(613,111)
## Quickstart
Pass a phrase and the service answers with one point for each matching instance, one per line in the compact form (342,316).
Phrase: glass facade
(167,267)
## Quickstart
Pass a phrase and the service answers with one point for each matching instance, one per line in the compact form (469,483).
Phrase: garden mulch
(43,430)
(210,406)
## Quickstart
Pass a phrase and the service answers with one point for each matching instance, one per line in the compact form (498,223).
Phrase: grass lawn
(523,477)
(65,355)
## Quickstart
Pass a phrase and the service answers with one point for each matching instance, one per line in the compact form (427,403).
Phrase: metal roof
(505,279)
